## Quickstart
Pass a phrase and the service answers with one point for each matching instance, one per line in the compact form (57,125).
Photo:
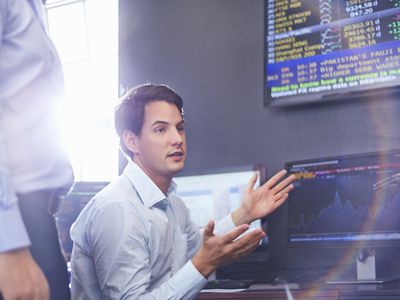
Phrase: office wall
(211,52)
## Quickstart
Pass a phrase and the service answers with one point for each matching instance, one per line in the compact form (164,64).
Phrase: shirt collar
(147,190)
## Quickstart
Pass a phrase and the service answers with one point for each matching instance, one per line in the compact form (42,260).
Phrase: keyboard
(229,284)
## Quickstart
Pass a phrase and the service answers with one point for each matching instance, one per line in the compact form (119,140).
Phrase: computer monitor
(346,201)
(70,208)
(212,194)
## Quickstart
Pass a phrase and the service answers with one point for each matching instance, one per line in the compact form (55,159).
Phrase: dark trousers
(45,247)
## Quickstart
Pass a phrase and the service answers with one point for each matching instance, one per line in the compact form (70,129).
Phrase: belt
(47,200)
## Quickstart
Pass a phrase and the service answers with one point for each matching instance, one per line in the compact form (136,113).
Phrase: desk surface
(319,292)
(298,295)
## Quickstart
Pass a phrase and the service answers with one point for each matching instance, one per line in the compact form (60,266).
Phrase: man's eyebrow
(159,122)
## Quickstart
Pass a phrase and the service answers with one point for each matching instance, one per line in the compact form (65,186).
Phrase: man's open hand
(218,250)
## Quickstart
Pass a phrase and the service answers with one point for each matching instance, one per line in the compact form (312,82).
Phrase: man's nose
(177,138)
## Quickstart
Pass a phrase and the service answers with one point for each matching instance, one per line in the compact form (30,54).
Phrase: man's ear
(130,141)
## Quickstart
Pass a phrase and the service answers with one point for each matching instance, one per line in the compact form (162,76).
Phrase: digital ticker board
(322,49)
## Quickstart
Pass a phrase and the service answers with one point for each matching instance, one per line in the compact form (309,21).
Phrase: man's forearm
(239,217)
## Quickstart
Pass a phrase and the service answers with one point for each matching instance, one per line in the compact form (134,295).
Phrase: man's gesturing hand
(260,202)
(220,250)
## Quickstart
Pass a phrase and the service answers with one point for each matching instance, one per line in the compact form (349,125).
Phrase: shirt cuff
(13,234)
(224,225)
(188,280)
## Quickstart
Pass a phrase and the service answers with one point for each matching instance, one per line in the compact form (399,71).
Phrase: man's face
(161,146)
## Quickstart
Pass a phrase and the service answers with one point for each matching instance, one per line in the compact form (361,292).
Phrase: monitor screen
(317,50)
(211,195)
(351,199)
(70,208)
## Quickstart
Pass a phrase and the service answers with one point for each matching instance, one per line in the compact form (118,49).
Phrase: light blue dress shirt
(31,154)
(127,247)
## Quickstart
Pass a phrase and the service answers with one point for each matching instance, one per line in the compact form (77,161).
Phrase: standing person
(135,239)
(34,170)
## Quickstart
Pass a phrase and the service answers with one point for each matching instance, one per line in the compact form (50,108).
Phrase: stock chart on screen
(352,198)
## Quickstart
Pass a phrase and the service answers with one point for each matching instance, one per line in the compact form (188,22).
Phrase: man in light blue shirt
(135,239)
(34,169)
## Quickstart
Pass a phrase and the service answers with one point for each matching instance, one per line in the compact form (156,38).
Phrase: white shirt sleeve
(224,225)
(13,234)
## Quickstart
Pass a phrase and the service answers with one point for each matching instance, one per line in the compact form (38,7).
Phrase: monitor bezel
(261,167)
(341,243)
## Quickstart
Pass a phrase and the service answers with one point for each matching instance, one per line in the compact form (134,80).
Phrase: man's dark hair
(129,114)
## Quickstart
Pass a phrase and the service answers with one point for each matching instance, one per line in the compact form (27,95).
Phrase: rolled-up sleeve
(13,234)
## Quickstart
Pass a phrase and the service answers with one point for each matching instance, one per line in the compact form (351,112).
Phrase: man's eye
(159,130)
